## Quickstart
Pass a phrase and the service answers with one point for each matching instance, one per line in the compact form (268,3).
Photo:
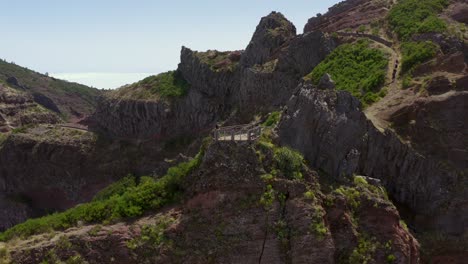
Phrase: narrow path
(393,92)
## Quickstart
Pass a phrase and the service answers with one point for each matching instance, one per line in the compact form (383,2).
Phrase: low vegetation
(152,236)
(289,162)
(218,60)
(120,200)
(272,119)
(415,53)
(356,68)
(162,86)
(364,252)
(409,17)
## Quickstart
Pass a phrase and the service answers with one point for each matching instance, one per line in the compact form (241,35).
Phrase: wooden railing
(238,133)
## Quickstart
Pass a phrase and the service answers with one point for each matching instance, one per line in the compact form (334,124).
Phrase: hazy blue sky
(143,37)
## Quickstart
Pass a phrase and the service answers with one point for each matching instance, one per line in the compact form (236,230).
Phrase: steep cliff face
(273,31)
(265,87)
(157,120)
(335,136)
(232,214)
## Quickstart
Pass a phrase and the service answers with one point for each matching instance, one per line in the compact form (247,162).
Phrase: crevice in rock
(264,239)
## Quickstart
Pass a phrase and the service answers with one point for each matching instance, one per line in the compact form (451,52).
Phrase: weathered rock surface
(273,31)
(441,120)
(335,136)
(157,120)
(221,220)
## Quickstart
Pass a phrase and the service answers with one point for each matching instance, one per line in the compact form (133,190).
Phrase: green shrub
(415,53)
(117,188)
(432,24)
(320,229)
(364,252)
(356,68)
(391,259)
(407,81)
(272,119)
(113,203)
(351,194)
(309,195)
(409,17)
(289,162)
(268,197)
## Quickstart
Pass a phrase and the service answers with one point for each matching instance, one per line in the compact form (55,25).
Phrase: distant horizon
(103,80)
(90,42)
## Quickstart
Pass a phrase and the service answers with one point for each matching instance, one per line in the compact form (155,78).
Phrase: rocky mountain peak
(272,32)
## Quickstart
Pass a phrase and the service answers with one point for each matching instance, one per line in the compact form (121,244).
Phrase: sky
(107,44)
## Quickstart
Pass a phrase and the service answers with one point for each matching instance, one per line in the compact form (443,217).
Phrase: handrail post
(216,135)
(232,135)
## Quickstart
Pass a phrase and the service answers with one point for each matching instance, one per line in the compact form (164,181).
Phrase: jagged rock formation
(335,136)
(222,220)
(263,79)
(349,15)
(18,109)
(421,160)
(273,31)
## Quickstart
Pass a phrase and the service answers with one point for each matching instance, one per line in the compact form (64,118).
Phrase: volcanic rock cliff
(239,205)
(232,214)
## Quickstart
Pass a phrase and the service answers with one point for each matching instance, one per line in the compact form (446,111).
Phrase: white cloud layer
(102,80)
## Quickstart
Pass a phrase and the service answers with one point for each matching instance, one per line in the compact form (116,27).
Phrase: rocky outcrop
(335,136)
(224,219)
(48,103)
(349,14)
(272,32)
(266,87)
